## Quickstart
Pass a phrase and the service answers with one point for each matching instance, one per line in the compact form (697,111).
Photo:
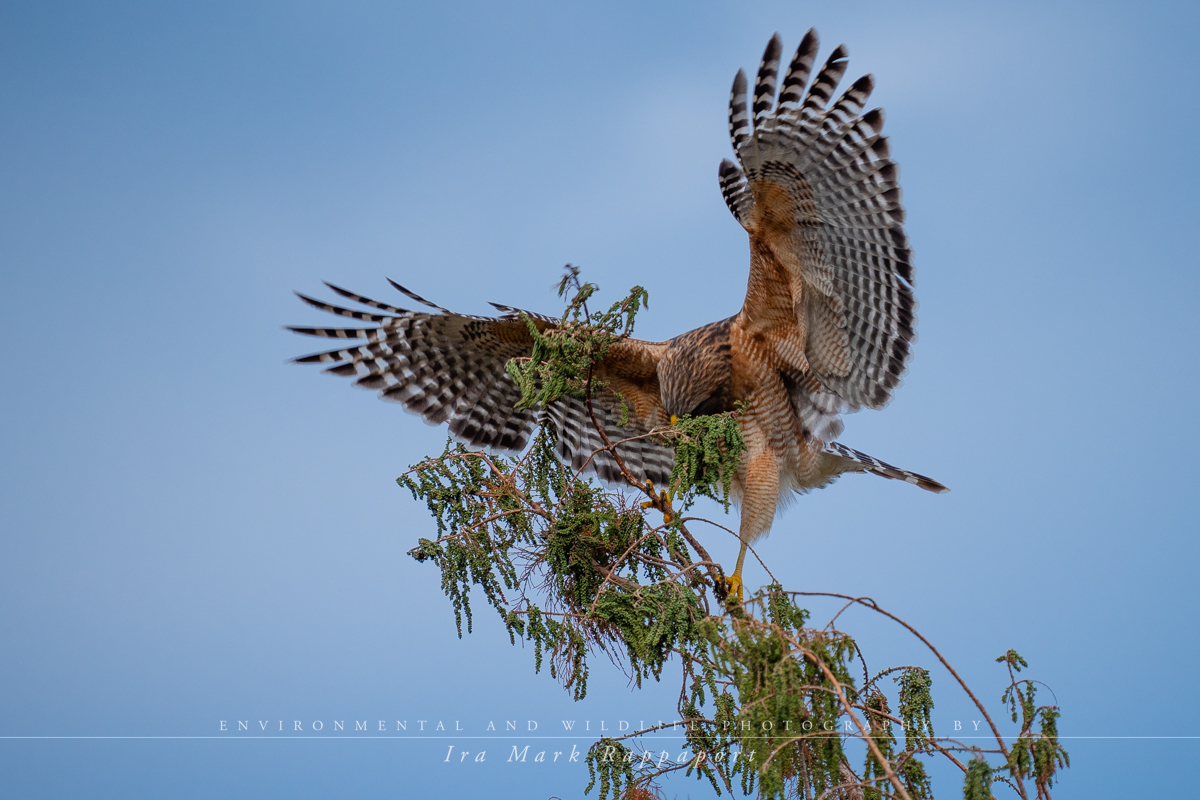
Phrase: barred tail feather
(861,462)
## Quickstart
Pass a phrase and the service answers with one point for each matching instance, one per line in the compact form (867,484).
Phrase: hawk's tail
(865,463)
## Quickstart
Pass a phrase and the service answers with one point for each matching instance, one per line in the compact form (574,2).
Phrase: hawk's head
(694,373)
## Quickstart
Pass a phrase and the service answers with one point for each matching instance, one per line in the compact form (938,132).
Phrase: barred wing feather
(449,367)
(817,191)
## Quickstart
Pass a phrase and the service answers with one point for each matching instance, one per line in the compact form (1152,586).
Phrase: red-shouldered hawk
(826,327)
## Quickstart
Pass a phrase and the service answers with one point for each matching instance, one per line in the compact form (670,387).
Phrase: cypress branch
(768,702)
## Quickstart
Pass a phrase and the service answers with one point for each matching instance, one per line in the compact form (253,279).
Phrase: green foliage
(978,782)
(523,529)
(1036,755)
(915,708)
(475,537)
(786,679)
(915,780)
(582,536)
(916,705)
(653,623)
(876,712)
(563,356)
(611,763)
(708,452)
(767,702)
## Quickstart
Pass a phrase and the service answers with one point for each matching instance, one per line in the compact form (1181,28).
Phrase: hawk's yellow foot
(734,583)
(735,580)
(650,489)
(662,501)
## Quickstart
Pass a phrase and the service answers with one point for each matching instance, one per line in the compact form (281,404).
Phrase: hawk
(826,327)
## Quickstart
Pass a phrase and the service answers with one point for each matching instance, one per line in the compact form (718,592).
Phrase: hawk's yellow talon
(647,504)
(674,419)
(667,517)
(735,586)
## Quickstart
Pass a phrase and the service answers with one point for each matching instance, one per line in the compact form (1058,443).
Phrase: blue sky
(195,530)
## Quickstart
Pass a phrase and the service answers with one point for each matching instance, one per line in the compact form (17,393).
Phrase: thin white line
(503,738)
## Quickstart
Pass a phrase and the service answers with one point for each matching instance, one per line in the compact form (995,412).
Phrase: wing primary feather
(336,333)
(317,358)
(874,120)
(764,84)
(366,301)
(735,191)
(414,296)
(827,80)
(851,102)
(344,370)
(328,356)
(739,121)
(797,75)
(344,312)
(846,220)
(517,312)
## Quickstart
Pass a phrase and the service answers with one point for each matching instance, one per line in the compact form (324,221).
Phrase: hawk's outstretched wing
(449,367)
(831,270)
